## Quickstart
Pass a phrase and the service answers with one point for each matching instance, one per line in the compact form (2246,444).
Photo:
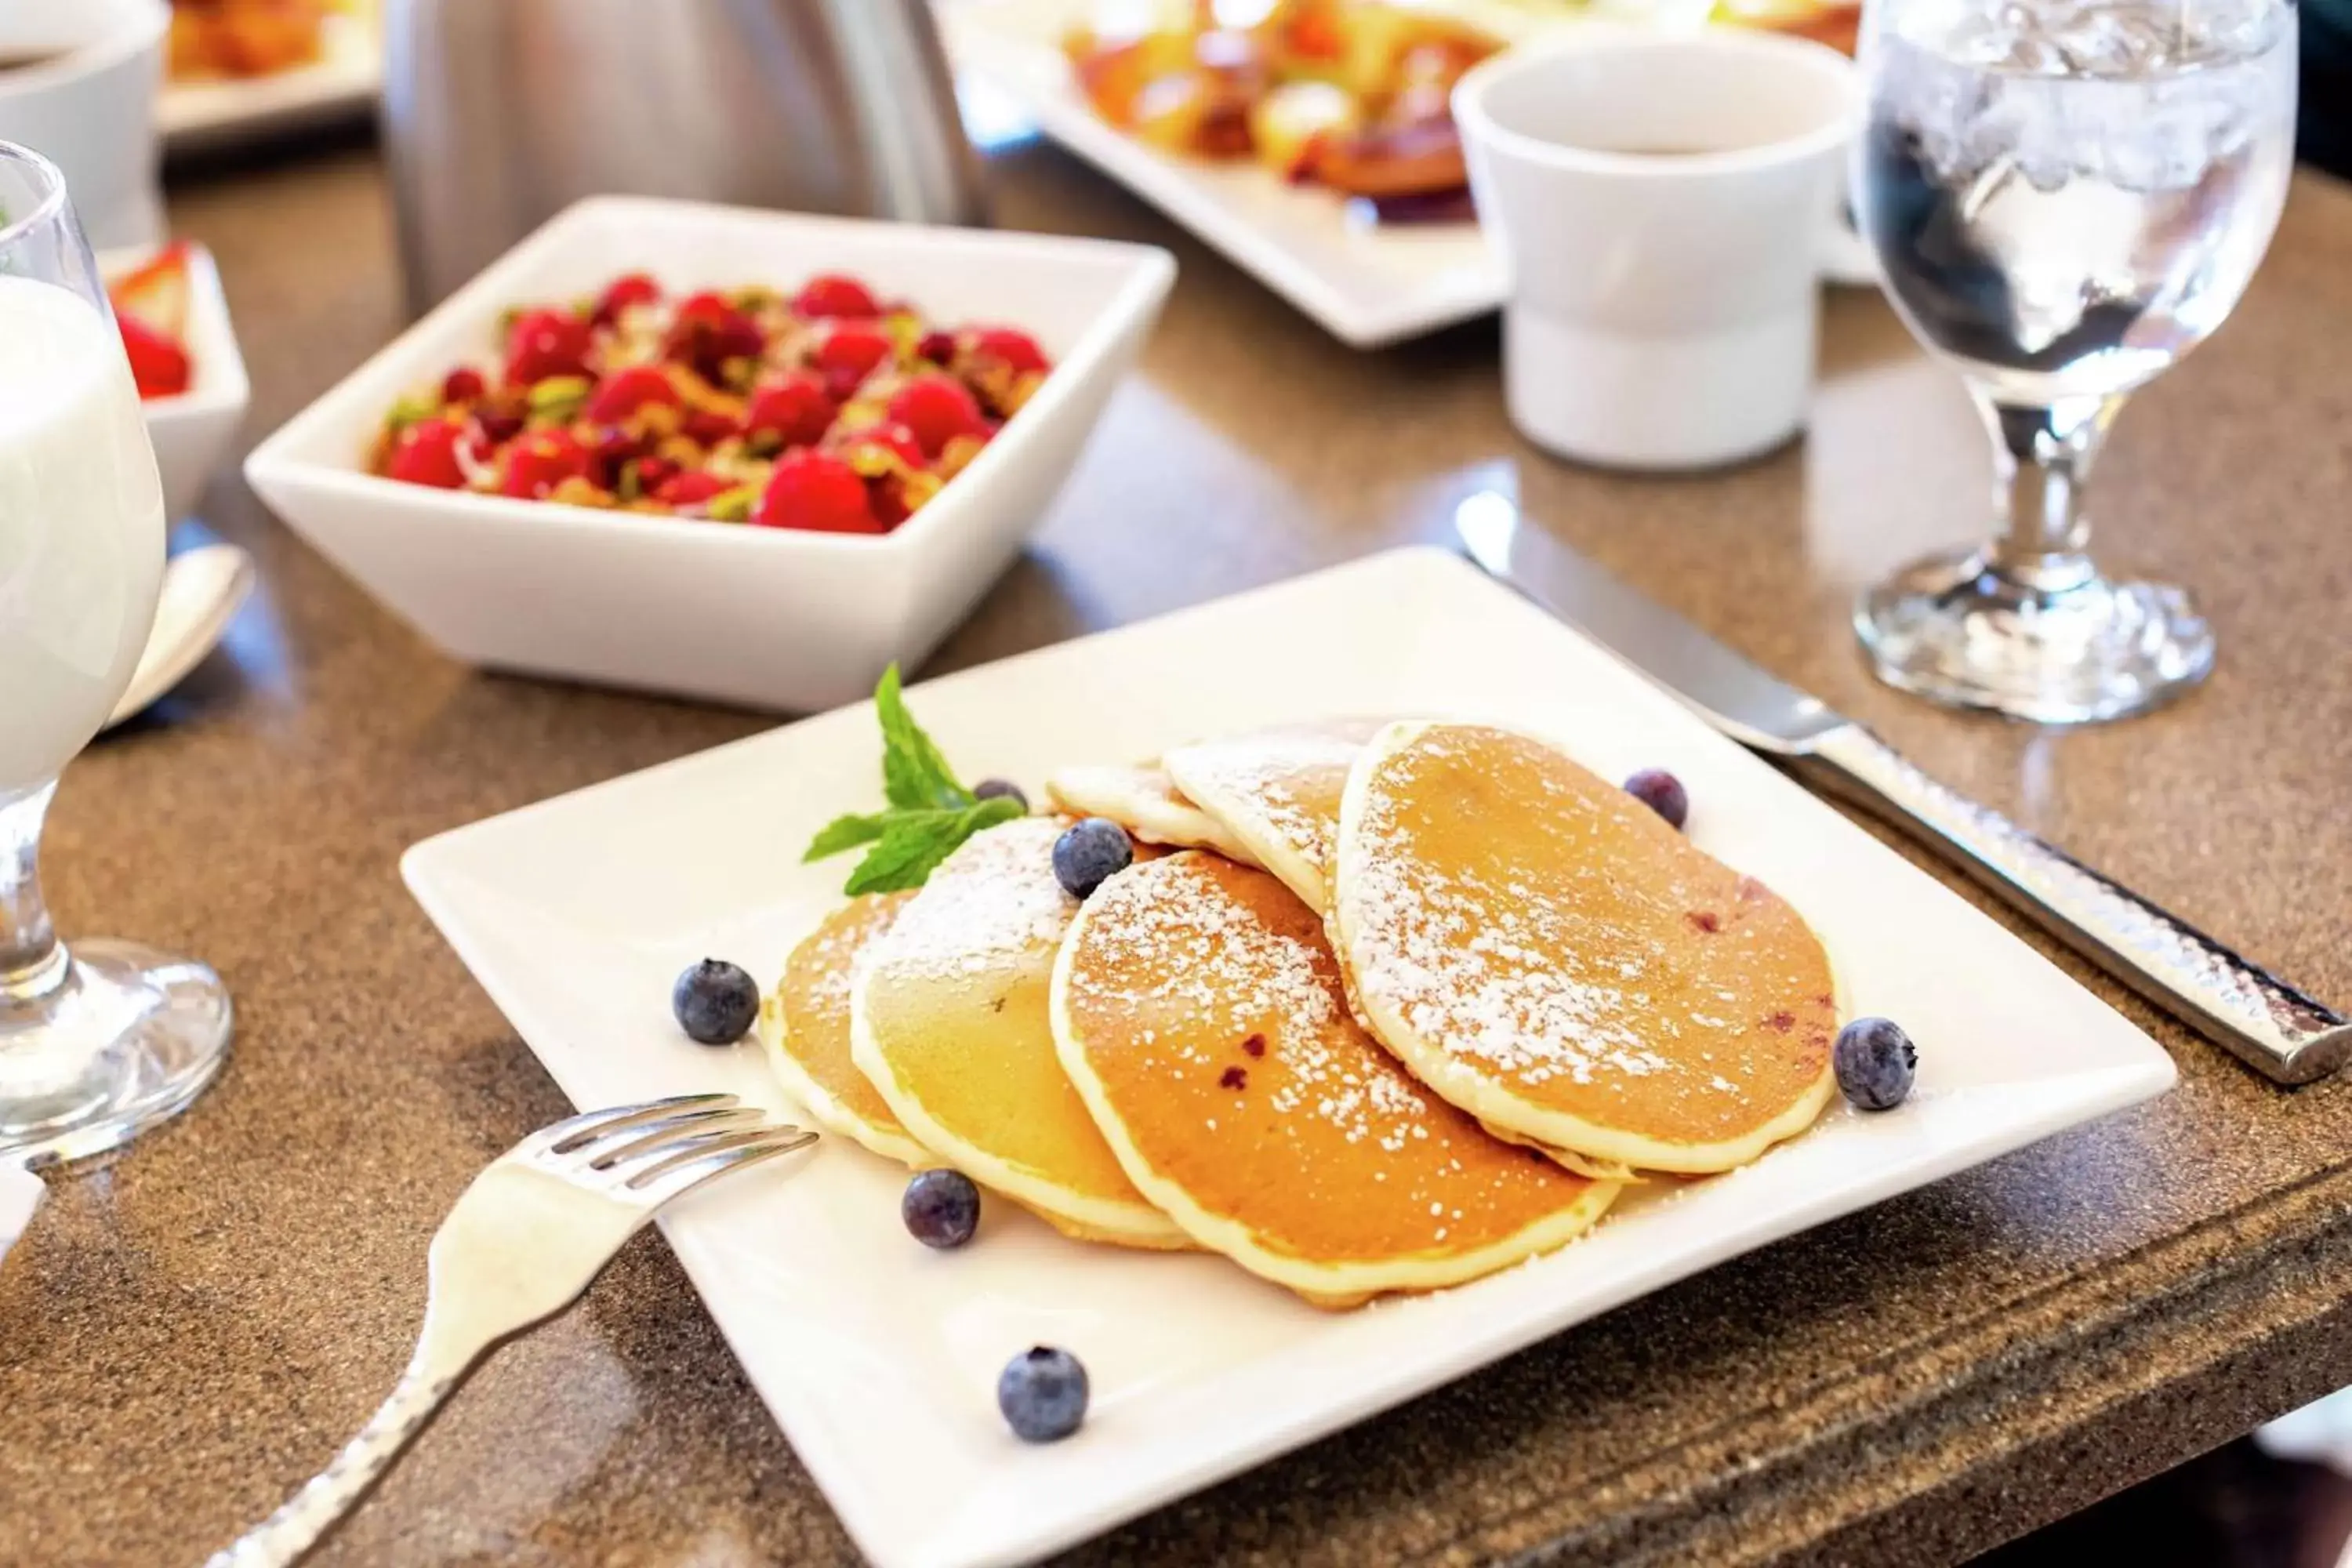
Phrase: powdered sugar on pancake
(1516,993)
(995,899)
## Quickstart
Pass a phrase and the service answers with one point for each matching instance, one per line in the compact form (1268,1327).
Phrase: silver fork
(524,1240)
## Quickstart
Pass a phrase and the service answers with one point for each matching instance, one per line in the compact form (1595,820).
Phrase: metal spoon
(202,591)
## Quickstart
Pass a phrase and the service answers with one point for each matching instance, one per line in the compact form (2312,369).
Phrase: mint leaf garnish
(845,832)
(915,777)
(929,812)
(911,847)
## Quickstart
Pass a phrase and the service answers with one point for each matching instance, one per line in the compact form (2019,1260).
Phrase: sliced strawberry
(834,296)
(541,460)
(544,343)
(158,365)
(937,409)
(794,407)
(156,292)
(691,488)
(817,493)
(624,392)
(427,454)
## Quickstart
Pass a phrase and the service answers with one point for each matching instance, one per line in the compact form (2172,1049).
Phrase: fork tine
(602,1152)
(566,1133)
(678,1151)
(682,1173)
(660,1169)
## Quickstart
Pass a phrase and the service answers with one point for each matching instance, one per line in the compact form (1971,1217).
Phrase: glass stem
(2041,457)
(32,960)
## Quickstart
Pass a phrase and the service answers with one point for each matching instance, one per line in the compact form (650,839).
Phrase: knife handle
(2275,1029)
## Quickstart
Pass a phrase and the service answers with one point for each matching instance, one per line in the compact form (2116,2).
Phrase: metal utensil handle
(2274,1027)
(287,1535)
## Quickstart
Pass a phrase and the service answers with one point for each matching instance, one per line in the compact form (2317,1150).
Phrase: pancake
(948,1021)
(1198,1008)
(1543,950)
(1145,802)
(1277,793)
(804,1025)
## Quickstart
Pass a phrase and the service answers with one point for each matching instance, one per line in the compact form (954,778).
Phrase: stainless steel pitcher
(498,114)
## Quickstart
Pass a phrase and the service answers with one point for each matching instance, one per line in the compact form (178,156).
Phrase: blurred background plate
(339,87)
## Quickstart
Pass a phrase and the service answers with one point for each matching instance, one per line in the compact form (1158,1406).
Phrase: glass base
(1956,629)
(127,1041)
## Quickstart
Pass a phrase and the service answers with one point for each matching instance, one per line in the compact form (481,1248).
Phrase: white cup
(89,105)
(1659,203)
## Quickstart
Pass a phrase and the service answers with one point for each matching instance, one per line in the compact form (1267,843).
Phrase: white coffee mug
(1659,203)
(87,101)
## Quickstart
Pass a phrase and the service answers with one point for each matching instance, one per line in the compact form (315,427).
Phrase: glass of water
(2065,197)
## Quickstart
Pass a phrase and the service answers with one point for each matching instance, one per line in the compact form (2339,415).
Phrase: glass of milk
(98,1043)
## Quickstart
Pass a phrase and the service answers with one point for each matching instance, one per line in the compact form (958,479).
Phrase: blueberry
(715,1002)
(1092,852)
(1875,1062)
(1662,793)
(1042,1392)
(941,1208)
(990,789)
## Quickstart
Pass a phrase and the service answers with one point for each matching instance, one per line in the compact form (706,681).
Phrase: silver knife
(2272,1026)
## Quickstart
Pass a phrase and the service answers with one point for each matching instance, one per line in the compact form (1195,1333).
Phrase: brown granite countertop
(191,1328)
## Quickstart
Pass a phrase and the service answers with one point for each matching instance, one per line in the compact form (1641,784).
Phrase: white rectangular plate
(879,1358)
(341,84)
(1367,285)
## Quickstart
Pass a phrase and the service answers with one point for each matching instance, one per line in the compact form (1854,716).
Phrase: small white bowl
(191,431)
(765,618)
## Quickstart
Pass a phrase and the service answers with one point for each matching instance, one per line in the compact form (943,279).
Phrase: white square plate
(1367,285)
(879,1358)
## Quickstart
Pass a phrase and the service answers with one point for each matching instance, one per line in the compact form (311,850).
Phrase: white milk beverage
(81,527)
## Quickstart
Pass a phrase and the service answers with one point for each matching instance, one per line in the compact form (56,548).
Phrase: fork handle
(285,1536)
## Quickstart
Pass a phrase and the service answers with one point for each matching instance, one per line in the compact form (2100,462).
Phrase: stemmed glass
(98,1044)
(2065,197)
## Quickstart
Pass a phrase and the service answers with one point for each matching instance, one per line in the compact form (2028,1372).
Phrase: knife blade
(2270,1025)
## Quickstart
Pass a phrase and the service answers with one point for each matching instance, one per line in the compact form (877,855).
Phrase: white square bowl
(192,430)
(765,618)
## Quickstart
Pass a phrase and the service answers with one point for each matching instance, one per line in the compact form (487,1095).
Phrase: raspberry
(708,332)
(817,492)
(538,462)
(835,295)
(937,408)
(794,406)
(1018,350)
(851,353)
(544,343)
(496,428)
(427,454)
(635,288)
(940,348)
(626,391)
(463,385)
(691,488)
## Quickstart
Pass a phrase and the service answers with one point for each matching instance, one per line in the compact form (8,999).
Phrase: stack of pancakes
(1378,1007)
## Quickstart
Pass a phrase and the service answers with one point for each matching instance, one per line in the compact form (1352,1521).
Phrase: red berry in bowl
(895,439)
(794,407)
(463,385)
(691,488)
(624,392)
(427,454)
(708,332)
(706,426)
(835,295)
(653,473)
(816,492)
(158,365)
(541,461)
(547,342)
(852,353)
(937,409)
(1018,350)
(634,289)
(940,348)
